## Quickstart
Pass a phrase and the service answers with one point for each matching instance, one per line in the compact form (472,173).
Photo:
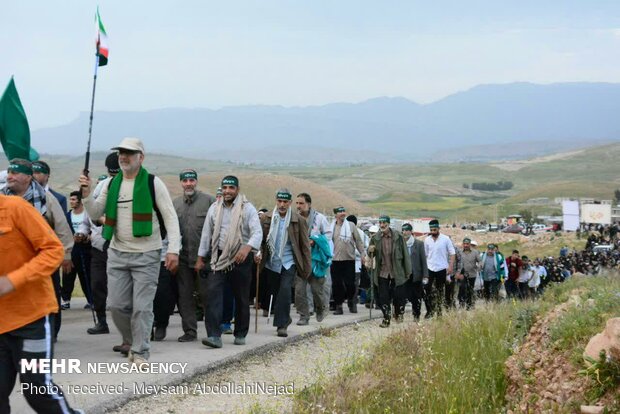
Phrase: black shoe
(367,305)
(100,328)
(385,323)
(187,338)
(353,308)
(428,315)
(88,306)
(332,307)
(338,310)
(160,333)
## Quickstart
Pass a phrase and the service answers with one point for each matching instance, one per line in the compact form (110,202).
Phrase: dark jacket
(62,200)
(401,263)
(192,212)
(419,270)
(300,242)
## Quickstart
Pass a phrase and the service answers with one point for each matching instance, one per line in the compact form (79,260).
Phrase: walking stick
(256,299)
(270,303)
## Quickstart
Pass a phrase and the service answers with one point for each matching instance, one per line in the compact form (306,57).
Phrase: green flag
(14,130)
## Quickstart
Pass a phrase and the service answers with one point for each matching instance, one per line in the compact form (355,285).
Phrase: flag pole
(92,108)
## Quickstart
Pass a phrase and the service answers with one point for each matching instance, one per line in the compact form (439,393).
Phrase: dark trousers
(186,284)
(99,281)
(57,316)
(512,288)
(164,298)
(263,290)
(491,290)
(435,291)
(524,290)
(343,281)
(414,291)
(450,289)
(212,295)
(281,288)
(385,296)
(80,257)
(228,304)
(33,341)
(466,292)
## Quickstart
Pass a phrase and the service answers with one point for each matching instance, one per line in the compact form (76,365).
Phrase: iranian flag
(102,41)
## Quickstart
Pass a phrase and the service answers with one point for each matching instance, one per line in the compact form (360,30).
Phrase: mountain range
(488,121)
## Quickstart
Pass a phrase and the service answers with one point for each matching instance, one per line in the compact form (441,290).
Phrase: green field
(401,190)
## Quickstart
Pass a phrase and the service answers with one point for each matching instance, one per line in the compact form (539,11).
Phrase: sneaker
(303,322)
(186,337)
(100,328)
(320,315)
(213,342)
(239,340)
(140,361)
(282,332)
(65,305)
(160,333)
(226,329)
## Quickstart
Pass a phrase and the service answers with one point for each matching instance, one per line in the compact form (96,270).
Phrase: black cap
(111,163)
(352,219)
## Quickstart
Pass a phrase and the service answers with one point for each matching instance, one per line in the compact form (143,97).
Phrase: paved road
(74,342)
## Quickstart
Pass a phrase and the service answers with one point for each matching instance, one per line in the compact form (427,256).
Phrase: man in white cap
(138,211)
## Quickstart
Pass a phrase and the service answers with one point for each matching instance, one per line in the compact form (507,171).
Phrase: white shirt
(438,252)
(524,275)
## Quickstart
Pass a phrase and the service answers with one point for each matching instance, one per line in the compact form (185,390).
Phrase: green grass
(455,364)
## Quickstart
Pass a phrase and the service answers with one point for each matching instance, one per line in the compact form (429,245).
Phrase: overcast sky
(199,53)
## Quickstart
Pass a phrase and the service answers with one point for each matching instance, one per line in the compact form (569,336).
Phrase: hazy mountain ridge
(375,130)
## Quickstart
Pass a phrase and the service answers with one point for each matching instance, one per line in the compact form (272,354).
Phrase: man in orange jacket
(29,253)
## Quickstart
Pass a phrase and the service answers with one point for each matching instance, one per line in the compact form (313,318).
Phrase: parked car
(540,228)
(515,229)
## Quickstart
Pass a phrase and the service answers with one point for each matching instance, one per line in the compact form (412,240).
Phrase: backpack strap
(162,226)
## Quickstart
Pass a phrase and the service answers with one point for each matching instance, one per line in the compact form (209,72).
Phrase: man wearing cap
(318,227)
(392,270)
(466,276)
(99,256)
(440,255)
(346,240)
(414,287)
(492,271)
(21,183)
(136,205)
(231,233)
(41,173)
(285,255)
(29,253)
(191,208)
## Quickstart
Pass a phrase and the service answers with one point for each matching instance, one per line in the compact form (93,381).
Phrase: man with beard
(419,271)
(41,173)
(317,227)
(231,233)
(20,183)
(346,240)
(136,205)
(470,259)
(191,208)
(392,270)
(286,255)
(440,256)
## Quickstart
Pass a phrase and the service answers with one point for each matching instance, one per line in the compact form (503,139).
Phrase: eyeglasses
(127,152)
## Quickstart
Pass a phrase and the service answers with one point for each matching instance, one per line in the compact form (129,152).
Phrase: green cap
(281,195)
(384,219)
(188,174)
(433,224)
(230,180)
(40,167)
(490,246)
(407,227)
(219,191)
(466,240)
(102,177)
(19,168)
(339,210)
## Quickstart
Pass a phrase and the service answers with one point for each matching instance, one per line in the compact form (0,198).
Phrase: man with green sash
(136,206)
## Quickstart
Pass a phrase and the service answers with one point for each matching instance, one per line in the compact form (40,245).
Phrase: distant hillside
(378,130)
